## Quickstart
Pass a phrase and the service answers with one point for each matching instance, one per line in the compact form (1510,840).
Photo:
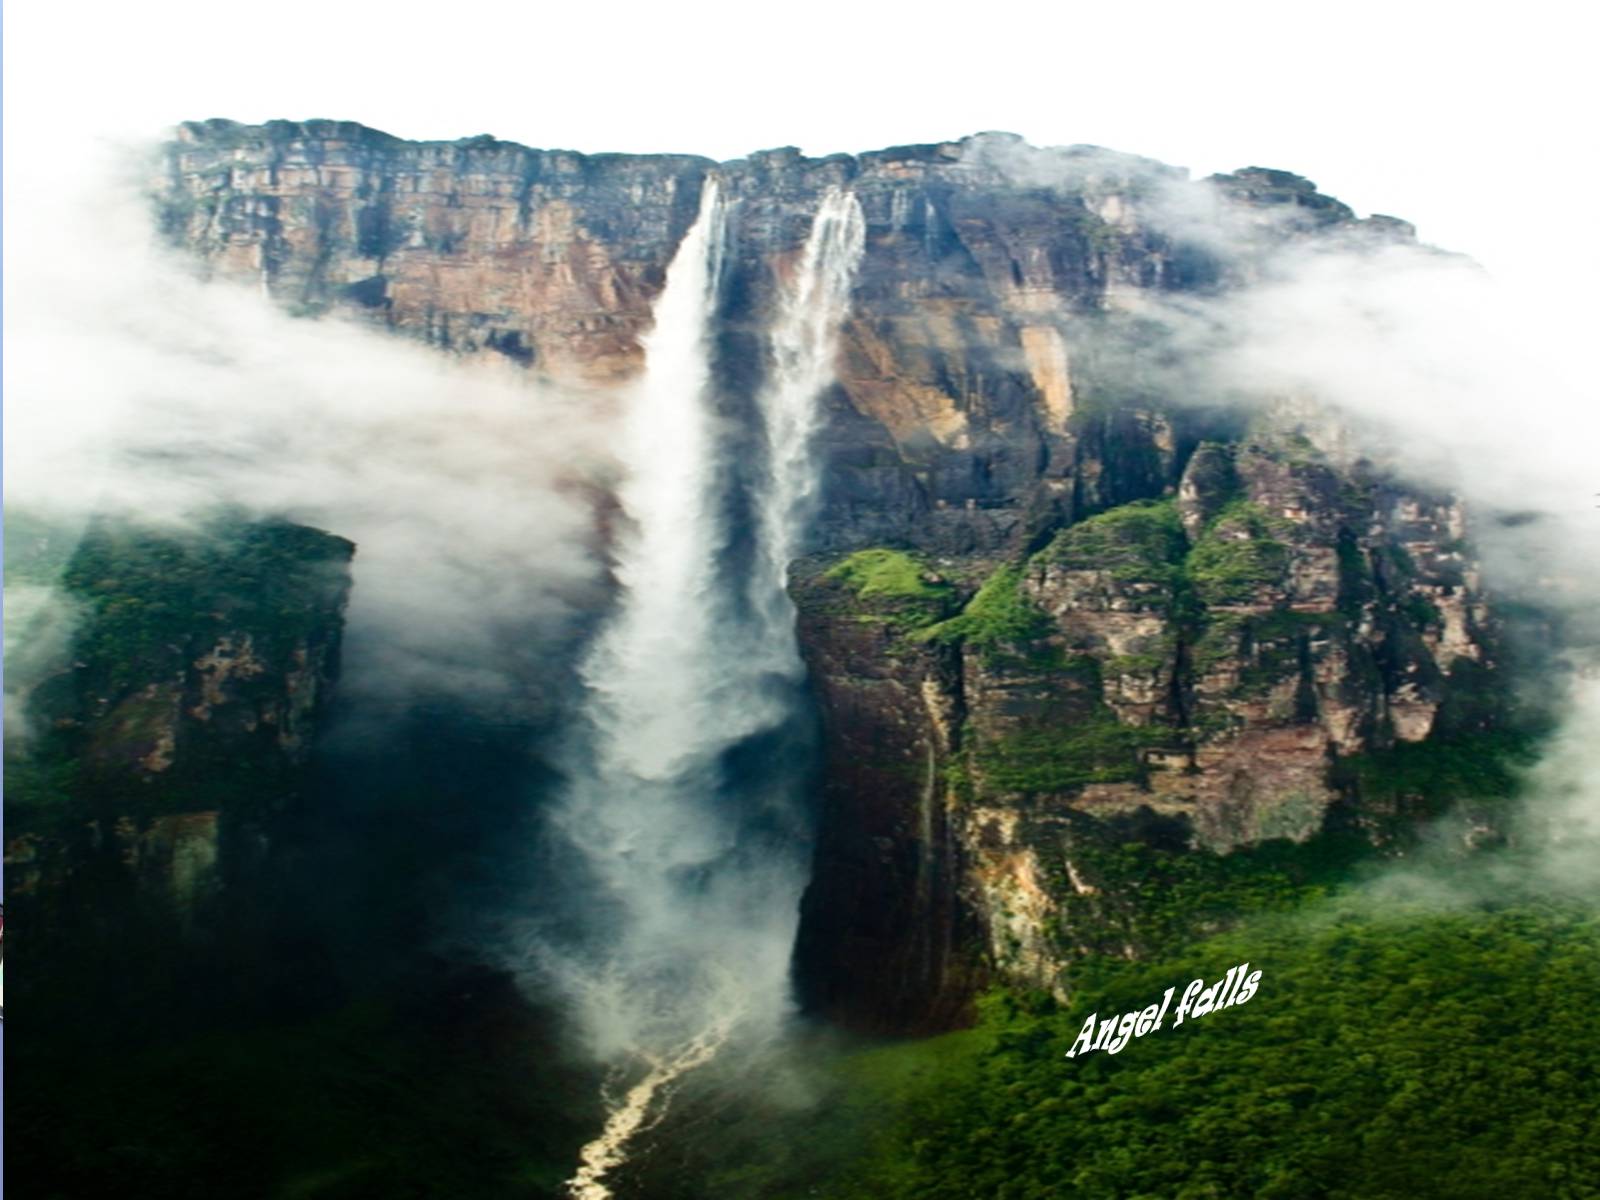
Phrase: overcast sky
(1474,122)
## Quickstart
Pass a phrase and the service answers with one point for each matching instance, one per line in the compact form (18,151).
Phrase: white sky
(1474,122)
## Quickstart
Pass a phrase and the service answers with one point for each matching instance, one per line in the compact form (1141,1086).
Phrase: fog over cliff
(614,537)
(134,387)
(1432,370)
(1442,376)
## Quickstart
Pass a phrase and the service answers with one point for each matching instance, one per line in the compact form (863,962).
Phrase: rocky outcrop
(1187,675)
(176,731)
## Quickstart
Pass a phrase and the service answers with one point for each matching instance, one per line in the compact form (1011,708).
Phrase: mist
(135,388)
(1420,363)
(663,890)
(1411,359)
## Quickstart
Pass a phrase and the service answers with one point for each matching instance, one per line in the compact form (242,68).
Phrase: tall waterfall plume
(696,888)
(804,341)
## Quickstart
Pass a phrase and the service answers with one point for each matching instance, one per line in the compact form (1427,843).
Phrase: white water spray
(697,927)
(804,338)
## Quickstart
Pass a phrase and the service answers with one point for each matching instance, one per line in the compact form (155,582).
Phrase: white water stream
(804,339)
(697,934)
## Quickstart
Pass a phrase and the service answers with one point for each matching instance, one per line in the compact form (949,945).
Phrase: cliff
(1173,711)
(1102,655)
(171,737)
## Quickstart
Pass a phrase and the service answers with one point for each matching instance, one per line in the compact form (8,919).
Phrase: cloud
(1420,363)
(134,387)
(1443,378)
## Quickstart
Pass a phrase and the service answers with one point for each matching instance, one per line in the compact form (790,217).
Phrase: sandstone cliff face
(975,405)
(1082,638)
(178,726)
(543,256)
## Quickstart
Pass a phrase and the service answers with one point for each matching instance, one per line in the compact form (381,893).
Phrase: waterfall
(694,917)
(649,703)
(804,341)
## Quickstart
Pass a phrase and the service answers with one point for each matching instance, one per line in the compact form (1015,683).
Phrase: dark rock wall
(168,745)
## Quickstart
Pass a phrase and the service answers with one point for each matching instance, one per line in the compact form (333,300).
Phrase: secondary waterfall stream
(695,916)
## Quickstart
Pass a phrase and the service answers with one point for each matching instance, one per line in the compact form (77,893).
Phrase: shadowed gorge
(662,627)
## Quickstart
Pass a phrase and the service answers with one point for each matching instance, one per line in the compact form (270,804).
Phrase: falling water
(804,343)
(694,923)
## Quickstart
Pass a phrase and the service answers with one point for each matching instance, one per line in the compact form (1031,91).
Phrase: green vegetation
(1356,584)
(1159,897)
(1421,611)
(1390,1052)
(882,572)
(1141,542)
(1099,749)
(1099,235)
(1400,559)
(1139,664)
(1236,555)
(1407,1054)
(1441,770)
(148,604)
(1155,892)
(1220,639)
(39,793)
(1044,658)
(999,615)
(1282,623)
(1272,640)
(957,776)
(1144,542)
(152,596)
(898,587)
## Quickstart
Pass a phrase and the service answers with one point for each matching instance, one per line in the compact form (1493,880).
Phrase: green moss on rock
(1236,556)
(881,572)
(999,615)
(1141,542)
(896,588)
(1057,759)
